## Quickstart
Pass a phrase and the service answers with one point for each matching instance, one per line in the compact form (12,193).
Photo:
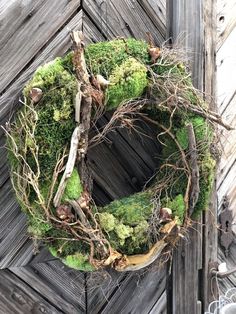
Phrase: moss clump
(107,221)
(127,81)
(207,174)
(78,261)
(126,222)
(73,188)
(139,239)
(202,131)
(102,58)
(123,232)
(55,112)
(133,209)
(38,227)
(177,206)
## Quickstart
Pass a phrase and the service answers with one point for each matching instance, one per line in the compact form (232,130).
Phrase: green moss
(107,221)
(37,226)
(207,175)
(102,58)
(78,261)
(55,113)
(177,206)
(139,239)
(202,131)
(126,222)
(127,81)
(131,210)
(123,232)
(73,188)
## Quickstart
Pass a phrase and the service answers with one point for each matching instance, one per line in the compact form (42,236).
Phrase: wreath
(49,138)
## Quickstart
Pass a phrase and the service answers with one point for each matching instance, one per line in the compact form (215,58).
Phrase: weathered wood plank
(35,27)
(209,235)
(122,18)
(146,287)
(226,11)
(160,306)
(183,15)
(90,30)
(59,285)
(17,297)
(156,11)
(226,68)
(185,28)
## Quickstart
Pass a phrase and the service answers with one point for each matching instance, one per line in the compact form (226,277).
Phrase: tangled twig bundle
(49,140)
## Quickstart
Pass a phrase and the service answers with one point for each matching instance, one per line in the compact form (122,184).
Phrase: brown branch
(193,158)
(69,165)
(181,103)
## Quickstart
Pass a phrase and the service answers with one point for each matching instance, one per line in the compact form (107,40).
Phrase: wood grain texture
(226,97)
(209,217)
(156,11)
(59,285)
(226,11)
(124,18)
(18,298)
(144,289)
(190,24)
(185,28)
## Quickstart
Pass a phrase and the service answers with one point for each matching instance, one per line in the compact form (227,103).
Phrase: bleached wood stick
(78,99)
(69,165)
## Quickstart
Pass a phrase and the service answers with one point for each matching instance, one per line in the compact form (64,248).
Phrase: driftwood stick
(86,101)
(193,163)
(78,99)
(139,261)
(69,165)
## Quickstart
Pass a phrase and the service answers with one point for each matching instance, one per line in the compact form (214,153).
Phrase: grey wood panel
(32,28)
(123,18)
(19,298)
(156,11)
(226,22)
(190,24)
(91,30)
(134,293)
(185,27)
(61,286)
(160,307)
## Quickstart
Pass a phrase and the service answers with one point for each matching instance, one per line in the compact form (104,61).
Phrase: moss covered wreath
(49,139)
